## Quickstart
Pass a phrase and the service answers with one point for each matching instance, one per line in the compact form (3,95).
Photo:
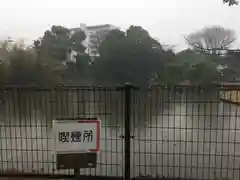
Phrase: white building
(94,36)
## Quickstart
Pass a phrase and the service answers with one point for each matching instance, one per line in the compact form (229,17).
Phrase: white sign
(79,136)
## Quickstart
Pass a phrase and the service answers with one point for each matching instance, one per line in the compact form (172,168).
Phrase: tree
(191,67)
(58,47)
(2,73)
(25,69)
(231,2)
(231,65)
(21,66)
(130,56)
(173,73)
(211,39)
(79,72)
(59,42)
(204,72)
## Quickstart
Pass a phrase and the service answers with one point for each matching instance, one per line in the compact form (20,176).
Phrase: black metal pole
(77,173)
(127,88)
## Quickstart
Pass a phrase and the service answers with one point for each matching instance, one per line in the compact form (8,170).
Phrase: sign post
(76,143)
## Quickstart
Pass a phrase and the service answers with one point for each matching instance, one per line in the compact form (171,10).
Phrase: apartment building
(94,36)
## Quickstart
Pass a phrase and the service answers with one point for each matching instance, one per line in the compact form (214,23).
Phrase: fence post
(127,132)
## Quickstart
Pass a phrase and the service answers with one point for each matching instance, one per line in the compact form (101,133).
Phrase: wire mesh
(186,132)
(26,115)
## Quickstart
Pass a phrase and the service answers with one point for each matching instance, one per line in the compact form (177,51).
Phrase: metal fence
(187,132)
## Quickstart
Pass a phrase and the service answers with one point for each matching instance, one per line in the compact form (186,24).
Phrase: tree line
(125,56)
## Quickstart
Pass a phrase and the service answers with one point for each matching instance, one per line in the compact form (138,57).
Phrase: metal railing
(187,132)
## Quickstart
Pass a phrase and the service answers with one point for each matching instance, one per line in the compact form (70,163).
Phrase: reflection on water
(190,144)
(173,138)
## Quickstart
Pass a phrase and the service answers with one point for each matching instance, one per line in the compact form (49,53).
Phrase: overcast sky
(167,20)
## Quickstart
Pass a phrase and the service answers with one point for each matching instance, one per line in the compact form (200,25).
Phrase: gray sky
(166,20)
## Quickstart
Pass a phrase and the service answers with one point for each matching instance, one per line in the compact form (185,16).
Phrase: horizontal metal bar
(56,176)
(191,167)
(43,126)
(82,102)
(172,141)
(60,87)
(209,86)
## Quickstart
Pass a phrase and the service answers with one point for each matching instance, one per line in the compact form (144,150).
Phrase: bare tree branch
(231,2)
(211,39)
